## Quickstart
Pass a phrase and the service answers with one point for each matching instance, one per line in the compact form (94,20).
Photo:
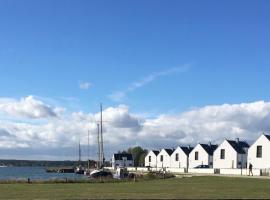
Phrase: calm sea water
(34,173)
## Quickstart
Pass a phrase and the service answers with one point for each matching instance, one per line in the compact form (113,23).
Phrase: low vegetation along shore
(171,188)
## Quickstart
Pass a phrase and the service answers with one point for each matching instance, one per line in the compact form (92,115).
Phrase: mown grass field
(174,188)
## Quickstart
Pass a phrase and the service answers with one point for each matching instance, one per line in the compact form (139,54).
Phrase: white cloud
(28,107)
(85,85)
(118,96)
(123,128)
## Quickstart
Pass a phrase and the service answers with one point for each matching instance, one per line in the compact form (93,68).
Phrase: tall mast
(88,160)
(98,141)
(101,136)
(80,152)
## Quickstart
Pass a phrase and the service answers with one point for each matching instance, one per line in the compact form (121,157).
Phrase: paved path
(223,175)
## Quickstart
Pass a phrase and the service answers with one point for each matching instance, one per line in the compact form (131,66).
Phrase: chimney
(210,143)
(237,140)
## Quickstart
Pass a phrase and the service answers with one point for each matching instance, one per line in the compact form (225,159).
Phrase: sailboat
(79,169)
(99,171)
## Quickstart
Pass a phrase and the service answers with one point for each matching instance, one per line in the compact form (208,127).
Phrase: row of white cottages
(229,154)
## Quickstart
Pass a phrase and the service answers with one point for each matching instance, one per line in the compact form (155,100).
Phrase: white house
(259,153)
(179,158)
(151,159)
(122,160)
(164,158)
(202,154)
(231,154)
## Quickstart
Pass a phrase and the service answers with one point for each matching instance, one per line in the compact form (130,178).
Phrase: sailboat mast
(80,152)
(101,136)
(88,160)
(98,141)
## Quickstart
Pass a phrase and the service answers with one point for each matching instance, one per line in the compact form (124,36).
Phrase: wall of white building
(182,159)
(230,161)
(203,158)
(264,161)
(153,162)
(166,159)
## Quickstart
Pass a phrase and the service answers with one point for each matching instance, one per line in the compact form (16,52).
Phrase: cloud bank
(27,107)
(123,129)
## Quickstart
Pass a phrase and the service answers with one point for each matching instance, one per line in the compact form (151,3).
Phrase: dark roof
(186,150)
(169,151)
(155,152)
(120,156)
(209,148)
(238,146)
(267,136)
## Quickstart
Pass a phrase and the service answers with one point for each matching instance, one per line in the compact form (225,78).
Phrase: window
(161,158)
(149,159)
(222,153)
(177,157)
(259,151)
(196,155)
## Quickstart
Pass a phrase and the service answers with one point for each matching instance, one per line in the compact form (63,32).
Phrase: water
(34,173)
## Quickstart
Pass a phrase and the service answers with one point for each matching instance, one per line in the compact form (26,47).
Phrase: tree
(138,154)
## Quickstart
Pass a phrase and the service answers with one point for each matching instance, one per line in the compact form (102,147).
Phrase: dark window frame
(259,151)
(222,154)
(196,155)
(177,157)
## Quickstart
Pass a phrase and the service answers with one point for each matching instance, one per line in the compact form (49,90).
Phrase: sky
(167,72)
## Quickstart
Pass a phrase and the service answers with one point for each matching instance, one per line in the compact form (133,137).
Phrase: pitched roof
(120,156)
(169,151)
(186,150)
(267,136)
(209,148)
(238,146)
(155,152)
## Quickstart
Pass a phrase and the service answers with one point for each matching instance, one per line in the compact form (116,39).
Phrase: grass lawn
(174,188)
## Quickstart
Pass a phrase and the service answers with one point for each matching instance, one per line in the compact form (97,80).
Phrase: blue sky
(47,47)
(195,53)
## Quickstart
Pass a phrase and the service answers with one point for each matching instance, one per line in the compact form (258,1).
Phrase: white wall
(230,160)
(183,159)
(153,162)
(166,159)
(201,171)
(204,158)
(176,170)
(260,163)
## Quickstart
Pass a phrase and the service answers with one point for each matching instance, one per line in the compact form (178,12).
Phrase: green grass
(174,188)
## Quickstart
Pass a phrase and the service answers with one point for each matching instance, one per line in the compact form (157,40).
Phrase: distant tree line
(38,163)
(138,154)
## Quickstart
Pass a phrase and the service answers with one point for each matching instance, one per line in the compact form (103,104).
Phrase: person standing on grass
(250,169)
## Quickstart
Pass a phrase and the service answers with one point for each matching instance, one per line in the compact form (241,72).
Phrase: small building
(202,154)
(151,159)
(259,153)
(164,158)
(122,160)
(179,158)
(231,154)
